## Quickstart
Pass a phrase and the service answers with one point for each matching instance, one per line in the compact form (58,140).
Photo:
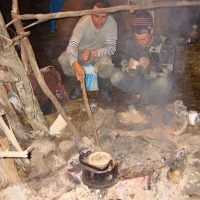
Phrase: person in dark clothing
(147,64)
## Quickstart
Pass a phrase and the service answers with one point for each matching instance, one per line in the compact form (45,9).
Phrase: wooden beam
(45,17)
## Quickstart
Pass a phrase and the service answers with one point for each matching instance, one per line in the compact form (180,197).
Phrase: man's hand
(86,54)
(132,63)
(144,62)
(79,71)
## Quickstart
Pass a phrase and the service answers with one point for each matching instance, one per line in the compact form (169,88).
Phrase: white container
(90,78)
(192,116)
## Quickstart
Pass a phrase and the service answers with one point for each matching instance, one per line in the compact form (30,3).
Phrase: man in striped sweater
(147,64)
(93,41)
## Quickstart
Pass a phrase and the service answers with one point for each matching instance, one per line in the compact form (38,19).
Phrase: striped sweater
(86,36)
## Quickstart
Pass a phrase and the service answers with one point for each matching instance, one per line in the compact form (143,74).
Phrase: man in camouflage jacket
(147,64)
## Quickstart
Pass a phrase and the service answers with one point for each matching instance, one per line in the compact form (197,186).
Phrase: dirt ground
(138,151)
(159,159)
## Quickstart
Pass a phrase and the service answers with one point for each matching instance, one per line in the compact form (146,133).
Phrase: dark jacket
(161,54)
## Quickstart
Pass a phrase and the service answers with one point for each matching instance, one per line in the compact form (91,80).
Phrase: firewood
(8,171)
(8,77)
(15,154)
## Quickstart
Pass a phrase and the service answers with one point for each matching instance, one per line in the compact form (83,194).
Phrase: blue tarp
(55,6)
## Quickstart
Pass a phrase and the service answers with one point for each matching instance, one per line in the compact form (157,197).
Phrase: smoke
(177,21)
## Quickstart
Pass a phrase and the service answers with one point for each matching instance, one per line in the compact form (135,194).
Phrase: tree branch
(10,58)
(7,77)
(33,62)
(45,17)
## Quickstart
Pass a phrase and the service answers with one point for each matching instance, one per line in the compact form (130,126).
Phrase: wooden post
(8,171)
(10,59)
(33,62)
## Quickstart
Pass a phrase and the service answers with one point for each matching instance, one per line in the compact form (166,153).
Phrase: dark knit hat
(142,21)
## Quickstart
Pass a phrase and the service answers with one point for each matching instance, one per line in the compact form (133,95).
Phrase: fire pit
(100,169)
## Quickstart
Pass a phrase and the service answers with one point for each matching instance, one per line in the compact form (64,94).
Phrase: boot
(105,86)
(75,93)
(133,99)
(75,87)
(107,95)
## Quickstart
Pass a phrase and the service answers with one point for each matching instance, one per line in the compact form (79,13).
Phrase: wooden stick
(89,112)
(15,154)
(45,17)
(8,171)
(9,134)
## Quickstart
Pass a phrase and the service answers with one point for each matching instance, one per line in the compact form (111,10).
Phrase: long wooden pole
(16,74)
(90,115)
(45,17)
(33,62)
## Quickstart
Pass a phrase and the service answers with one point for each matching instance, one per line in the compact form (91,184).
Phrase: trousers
(157,89)
(103,67)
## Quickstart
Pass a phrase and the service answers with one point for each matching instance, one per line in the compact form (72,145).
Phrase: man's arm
(78,71)
(165,65)
(72,54)
(128,63)
(72,51)
(108,50)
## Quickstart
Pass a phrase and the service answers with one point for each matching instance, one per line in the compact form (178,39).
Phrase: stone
(67,149)
(19,191)
(190,183)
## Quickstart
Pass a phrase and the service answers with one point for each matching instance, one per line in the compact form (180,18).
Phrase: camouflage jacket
(161,53)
